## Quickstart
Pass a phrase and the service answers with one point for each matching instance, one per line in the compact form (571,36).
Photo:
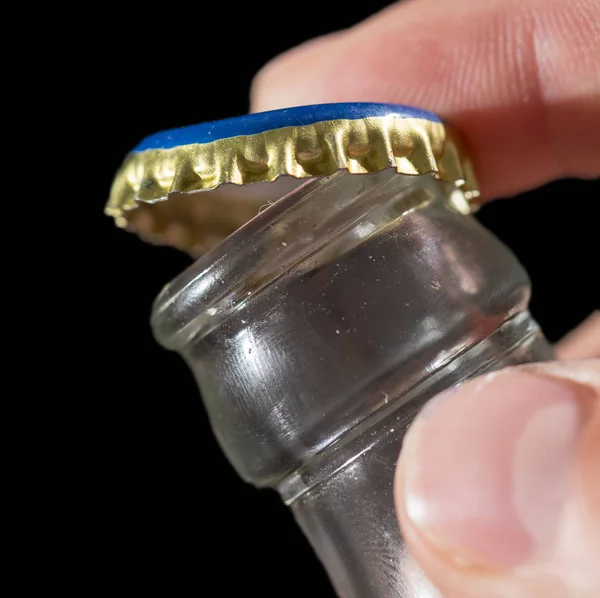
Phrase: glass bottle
(318,330)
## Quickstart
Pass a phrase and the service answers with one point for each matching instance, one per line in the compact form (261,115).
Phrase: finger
(582,342)
(498,484)
(520,79)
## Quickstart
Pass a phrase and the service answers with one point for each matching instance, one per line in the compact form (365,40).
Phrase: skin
(521,80)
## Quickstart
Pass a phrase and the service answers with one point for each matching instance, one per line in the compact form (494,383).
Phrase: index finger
(520,80)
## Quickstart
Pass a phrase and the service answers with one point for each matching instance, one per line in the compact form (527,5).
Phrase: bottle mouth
(196,222)
(315,221)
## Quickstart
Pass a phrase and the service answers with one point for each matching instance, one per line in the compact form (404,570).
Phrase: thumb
(498,485)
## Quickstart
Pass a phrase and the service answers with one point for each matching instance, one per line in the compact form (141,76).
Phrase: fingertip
(289,79)
(583,342)
(485,486)
(514,77)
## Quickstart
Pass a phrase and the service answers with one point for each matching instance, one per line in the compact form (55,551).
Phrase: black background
(160,508)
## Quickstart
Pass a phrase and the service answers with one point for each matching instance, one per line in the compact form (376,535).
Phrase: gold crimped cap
(301,142)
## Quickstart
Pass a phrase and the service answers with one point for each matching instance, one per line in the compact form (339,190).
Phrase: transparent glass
(319,329)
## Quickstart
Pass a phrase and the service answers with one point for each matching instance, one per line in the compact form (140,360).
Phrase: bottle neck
(295,326)
(343,499)
(518,340)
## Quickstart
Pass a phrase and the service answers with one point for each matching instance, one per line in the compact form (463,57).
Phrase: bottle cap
(160,191)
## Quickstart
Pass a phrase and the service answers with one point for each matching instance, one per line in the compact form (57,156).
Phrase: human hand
(498,485)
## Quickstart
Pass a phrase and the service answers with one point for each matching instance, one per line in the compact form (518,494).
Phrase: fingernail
(485,469)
